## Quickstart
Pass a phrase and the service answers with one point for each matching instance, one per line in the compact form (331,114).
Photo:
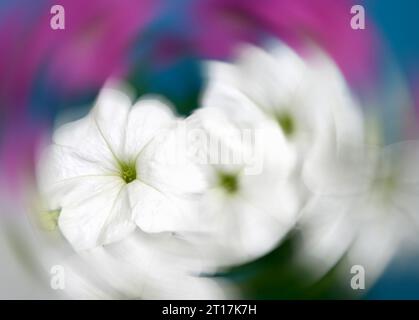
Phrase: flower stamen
(128,172)
(229,182)
(287,123)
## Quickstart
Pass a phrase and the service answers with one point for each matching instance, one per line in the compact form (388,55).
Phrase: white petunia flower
(249,204)
(309,120)
(368,218)
(106,173)
(308,100)
(387,213)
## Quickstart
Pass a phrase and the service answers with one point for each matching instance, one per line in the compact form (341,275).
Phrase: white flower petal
(259,231)
(76,190)
(231,102)
(59,163)
(164,164)
(103,218)
(376,243)
(100,135)
(138,268)
(268,79)
(110,115)
(337,170)
(82,139)
(146,118)
(275,76)
(241,230)
(155,211)
(327,232)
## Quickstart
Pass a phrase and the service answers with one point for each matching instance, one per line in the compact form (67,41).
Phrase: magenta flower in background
(94,45)
(99,42)
(222,23)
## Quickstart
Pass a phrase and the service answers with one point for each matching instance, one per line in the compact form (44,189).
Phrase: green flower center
(287,123)
(128,172)
(386,187)
(229,182)
(49,219)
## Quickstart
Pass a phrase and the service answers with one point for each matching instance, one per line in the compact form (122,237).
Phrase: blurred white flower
(106,173)
(313,131)
(307,99)
(249,204)
(387,214)
(369,218)
(142,266)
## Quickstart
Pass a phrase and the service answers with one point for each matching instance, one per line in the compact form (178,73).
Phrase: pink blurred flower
(17,152)
(222,23)
(93,46)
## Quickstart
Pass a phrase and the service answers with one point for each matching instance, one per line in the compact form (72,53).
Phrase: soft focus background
(158,46)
